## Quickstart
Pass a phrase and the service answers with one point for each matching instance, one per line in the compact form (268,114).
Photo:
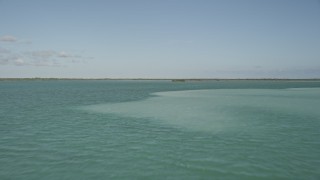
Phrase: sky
(160,38)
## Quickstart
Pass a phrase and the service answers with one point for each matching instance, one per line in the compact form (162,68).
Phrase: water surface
(159,130)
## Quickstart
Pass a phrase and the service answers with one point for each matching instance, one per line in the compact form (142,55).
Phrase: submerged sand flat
(218,109)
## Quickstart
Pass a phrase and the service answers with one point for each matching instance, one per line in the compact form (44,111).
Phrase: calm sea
(107,129)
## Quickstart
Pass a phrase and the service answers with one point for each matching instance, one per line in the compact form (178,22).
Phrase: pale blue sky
(160,38)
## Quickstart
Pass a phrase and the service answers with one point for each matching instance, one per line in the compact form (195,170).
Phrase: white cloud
(64,55)
(52,58)
(35,57)
(8,59)
(20,62)
(43,54)
(8,38)
(52,54)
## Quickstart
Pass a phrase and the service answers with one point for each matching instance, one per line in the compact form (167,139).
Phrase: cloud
(5,60)
(8,38)
(52,54)
(43,54)
(64,55)
(20,62)
(18,57)
(39,58)
(50,58)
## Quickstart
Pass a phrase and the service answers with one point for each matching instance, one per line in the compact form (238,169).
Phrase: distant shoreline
(167,79)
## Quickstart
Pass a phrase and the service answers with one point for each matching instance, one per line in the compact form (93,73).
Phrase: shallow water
(215,110)
(159,130)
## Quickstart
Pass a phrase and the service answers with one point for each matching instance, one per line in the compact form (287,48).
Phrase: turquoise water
(159,130)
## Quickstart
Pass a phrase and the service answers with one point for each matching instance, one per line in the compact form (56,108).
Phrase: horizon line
(172,79)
